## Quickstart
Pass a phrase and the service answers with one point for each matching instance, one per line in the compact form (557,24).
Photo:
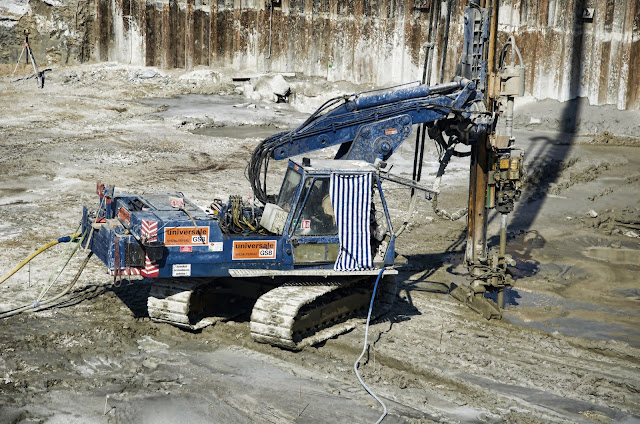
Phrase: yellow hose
(33,255)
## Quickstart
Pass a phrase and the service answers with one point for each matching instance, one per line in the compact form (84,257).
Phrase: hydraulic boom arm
(368,127)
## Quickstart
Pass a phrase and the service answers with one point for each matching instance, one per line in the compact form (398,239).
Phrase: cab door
(313,230)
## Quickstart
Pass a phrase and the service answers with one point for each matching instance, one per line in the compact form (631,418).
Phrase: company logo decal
(254,249)
(186,236)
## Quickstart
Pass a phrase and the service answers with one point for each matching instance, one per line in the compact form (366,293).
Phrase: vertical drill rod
(476,250)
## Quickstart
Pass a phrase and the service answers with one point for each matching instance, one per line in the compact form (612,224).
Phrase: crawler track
(172,301)
(302,313)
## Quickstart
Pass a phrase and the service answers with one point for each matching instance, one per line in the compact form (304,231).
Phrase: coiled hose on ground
(40,304)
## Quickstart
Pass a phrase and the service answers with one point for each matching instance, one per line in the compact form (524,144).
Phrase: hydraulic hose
(412,206)
(364,349)
(436,188)
(65,239)
(58,270)
(38,306)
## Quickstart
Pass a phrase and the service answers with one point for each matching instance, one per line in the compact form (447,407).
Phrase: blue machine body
(209,255)
(148,236)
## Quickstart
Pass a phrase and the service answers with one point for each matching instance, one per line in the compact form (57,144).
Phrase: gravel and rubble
(567,351)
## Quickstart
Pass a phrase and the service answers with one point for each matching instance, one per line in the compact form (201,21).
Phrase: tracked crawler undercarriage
(301,311)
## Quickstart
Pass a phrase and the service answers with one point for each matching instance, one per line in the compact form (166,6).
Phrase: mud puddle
(552,313)
(616,256)
(571,318)
(579,327)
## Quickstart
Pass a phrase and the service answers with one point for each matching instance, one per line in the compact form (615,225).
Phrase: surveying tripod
(37,74)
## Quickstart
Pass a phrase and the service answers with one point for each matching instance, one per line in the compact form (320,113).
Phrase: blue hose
(364,349)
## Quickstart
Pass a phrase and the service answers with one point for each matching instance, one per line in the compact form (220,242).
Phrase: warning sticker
(186,236)
(391,131)
(216,246)
(124,215)
(254,249)
(181,270)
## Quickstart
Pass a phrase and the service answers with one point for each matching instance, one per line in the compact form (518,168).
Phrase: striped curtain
(351,200)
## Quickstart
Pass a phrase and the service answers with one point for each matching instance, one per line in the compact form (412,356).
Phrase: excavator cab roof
(328,166)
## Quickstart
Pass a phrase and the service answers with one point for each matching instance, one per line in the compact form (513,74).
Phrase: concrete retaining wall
(376,41)
(380,41)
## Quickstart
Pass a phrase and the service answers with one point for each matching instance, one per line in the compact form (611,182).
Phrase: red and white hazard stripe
(149,230)
(151,269)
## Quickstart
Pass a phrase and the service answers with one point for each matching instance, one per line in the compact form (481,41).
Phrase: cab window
(317,217)
(288,189)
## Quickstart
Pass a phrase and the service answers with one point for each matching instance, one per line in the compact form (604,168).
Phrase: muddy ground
(568,349)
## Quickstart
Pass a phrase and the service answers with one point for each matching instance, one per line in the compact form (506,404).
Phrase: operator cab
(310,202)
(305,215)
